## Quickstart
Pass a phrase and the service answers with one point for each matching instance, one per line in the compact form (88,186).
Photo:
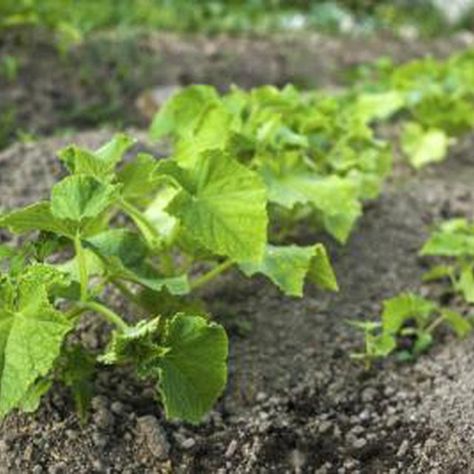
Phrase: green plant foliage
(289,266)
(148,227)
(453,240)
(423,146)
(433,99)
(407,326)
(316,154)
(222,204)
(31,334)
(70,19)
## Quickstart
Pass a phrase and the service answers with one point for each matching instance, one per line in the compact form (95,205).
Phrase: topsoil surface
(295,402)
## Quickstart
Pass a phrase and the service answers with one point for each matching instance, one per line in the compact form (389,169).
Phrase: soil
(100,80)
(295,401)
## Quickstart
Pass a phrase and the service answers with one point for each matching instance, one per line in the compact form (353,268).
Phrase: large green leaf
(213,131)
(37,217)
(336,198)
(193,370)
(222,205)
(289,266)
(180,115)
(189,360)
(80,197)
(31,335)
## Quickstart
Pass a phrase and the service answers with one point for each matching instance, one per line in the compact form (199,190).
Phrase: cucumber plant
(155,230)
(406,328)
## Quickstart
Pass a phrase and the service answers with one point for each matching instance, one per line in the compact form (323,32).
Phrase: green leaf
(112,152)
(380,105)
(450,241)
(125,255)
(37,217)
(460,325)
(138,177)
(424,146)
(166,304)
(193,371)
(222,205)
(213,131)
(336,198)
(289,266)
(101,163)
(165,224)
(465,284)
(321,272)
(31,335)
(80,197)
(438,272)
(383,345)
(31,401)
(404,307)
(183,111)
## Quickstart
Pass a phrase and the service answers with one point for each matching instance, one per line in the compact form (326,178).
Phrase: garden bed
(295,402)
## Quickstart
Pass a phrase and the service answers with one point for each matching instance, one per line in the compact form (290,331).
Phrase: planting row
(246,171)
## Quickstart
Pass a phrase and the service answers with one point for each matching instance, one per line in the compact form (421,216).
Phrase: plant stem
(108,314)
(82,266)
(435,324)
(210,275)
(74,312)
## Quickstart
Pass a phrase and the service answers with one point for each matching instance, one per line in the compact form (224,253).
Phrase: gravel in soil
(295,402)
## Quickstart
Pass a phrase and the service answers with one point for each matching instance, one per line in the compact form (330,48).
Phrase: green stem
(435,324)
(210,275)
(74,312)
(108,314)
(82,266)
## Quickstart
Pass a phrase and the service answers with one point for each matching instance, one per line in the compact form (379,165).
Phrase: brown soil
(295,401)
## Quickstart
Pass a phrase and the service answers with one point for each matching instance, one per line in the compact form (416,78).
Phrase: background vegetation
(78,17)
